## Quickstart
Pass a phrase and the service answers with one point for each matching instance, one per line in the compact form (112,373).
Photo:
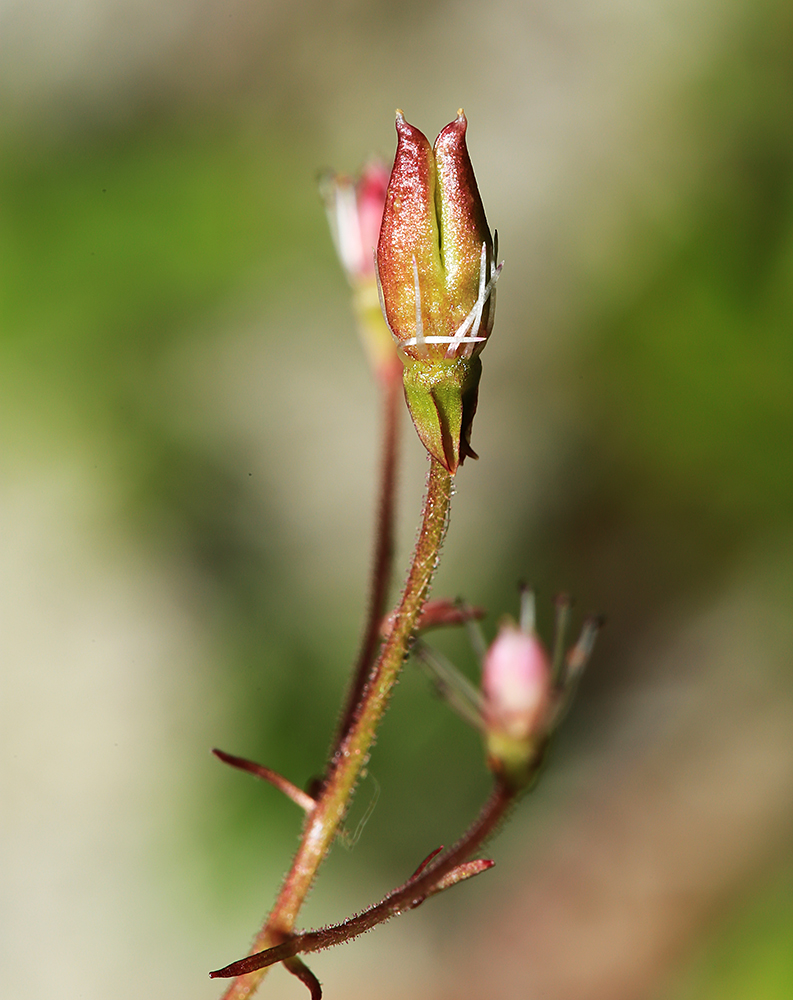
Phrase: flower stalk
(355,213)
(382,567)
(323,822)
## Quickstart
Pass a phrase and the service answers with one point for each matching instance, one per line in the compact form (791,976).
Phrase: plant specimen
(425,304)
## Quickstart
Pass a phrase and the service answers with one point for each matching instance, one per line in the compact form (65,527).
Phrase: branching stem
(350,757)
(405,897)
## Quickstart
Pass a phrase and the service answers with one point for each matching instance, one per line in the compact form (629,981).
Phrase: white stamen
(474,317)
(480,299)
(441,340)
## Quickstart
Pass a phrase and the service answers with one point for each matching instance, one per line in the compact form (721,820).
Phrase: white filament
(475,316)
(472,320)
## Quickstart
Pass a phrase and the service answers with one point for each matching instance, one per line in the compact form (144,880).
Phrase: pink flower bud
(516,688)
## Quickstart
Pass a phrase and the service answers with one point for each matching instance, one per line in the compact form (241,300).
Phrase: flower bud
(436,267)
(517,702)
(355,213)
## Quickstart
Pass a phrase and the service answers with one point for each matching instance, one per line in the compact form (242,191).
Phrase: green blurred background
(189,453)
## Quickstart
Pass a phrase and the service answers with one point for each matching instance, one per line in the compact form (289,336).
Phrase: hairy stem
(382,567)
(406,897)
(352,753)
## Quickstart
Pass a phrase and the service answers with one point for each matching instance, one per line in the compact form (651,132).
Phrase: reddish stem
(382,567)
(406,897)
(305,975)
(322,823)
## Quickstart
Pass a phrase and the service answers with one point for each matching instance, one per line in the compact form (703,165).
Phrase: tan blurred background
(188,454)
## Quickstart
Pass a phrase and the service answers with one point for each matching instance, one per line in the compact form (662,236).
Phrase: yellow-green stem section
(352,754)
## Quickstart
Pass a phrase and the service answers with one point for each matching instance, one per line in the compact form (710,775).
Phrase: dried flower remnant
(355,214)
(437,272)
(354,208)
